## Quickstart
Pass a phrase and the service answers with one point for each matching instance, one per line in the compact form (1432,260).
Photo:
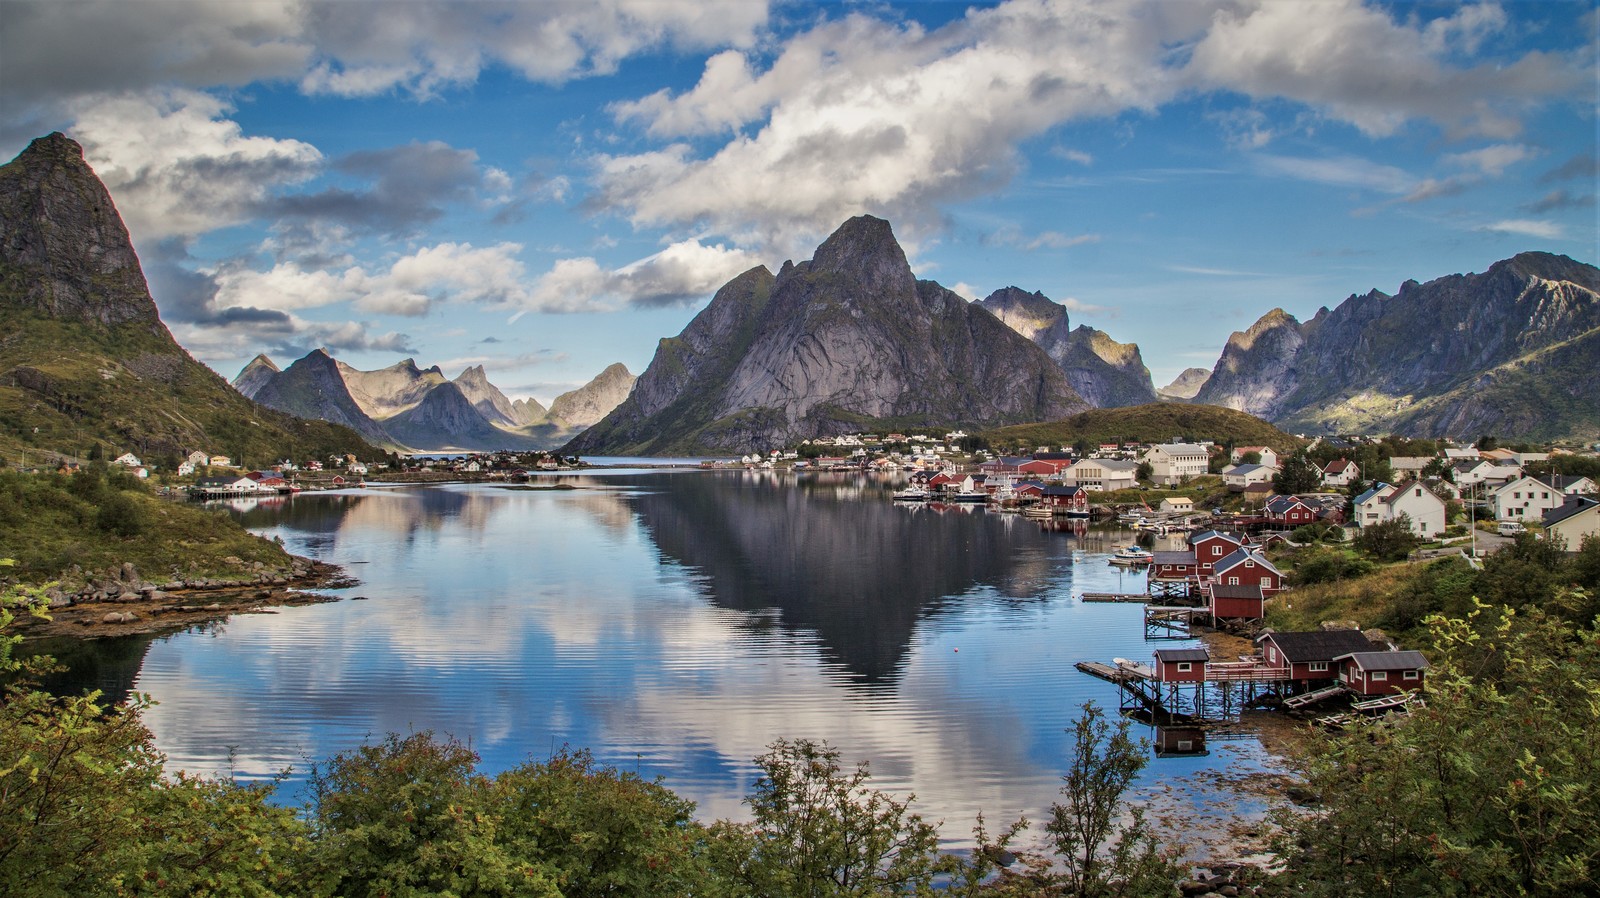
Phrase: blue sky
(547,188)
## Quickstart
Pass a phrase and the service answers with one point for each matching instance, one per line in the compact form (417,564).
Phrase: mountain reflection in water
(674,623)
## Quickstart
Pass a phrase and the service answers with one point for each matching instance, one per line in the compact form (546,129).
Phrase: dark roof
(1166,655)
(1052,456)
(1562,482)
(1386,660)
(1062,490)
(1173,558)
(1246,591)
(1240,556)
(1207,534)
(1318,645)
(1574,505)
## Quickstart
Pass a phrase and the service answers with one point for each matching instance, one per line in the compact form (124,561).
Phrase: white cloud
(177,166)
(864,115)
(681,273)
(1491,160)
(1340,171)
(447,272)
(1545,230)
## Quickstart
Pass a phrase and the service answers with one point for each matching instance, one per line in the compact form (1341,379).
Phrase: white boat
(911,494)
(1132,555)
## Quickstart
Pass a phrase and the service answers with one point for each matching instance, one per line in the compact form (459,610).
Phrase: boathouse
(1309,656)
(1181,665)
(1065,499)
(1243,602)
(1211,546)
(1381,673)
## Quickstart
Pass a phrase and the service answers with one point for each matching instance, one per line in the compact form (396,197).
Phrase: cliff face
(1185,385)
(847,341)
(1435,359)
(388,391)
(486,397)
(314,387)
(587,405)
(85,355)
(447,419)
(255,376)
(67,252)
(1104,372)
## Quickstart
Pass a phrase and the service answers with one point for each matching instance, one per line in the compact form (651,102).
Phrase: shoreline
(161,611)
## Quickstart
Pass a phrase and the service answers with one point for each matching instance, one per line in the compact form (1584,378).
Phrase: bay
(675,622)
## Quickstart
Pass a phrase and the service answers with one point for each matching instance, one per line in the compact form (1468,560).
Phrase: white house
(128,459)
(1240,476)
(1408,467)
(1574,519)
(220,461)
(1102,474)
(197,459)
(185,468)
(1266,455)
(1472,471)
(1177,505)
(1387,502)
(1173,463)
(1528,498)
(1341,472)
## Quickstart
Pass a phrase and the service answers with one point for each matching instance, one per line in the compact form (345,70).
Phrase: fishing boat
(911,494)
(1132,555)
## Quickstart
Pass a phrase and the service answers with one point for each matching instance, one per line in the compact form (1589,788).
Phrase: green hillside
(1156,422)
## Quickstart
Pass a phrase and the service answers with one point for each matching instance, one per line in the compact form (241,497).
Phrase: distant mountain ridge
(86,358)
(1104,372)
(1511,351)
(419,409)
(847,341)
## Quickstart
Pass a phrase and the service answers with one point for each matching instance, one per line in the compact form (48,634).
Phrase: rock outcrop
(588,404)
(255,376)
(847,341)
(486,397)
(389,391)
(1186,385)
(1104,372)
(85,350)
(314,387)
(1510,351)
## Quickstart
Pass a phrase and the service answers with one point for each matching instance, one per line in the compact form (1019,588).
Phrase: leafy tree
(1327,565)
(1100,854)
(1298,475)
(1488,790)
(1144,472)
(820,831)
(1389,540)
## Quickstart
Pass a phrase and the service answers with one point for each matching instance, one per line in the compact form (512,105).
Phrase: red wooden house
(1246,567)
(1307,657)
(1210,547)
(1070,499)
(1042,467)
(1290,511)
(1381,673)
(1181,665)
(1173,566)
(1238,602)
(1028,489)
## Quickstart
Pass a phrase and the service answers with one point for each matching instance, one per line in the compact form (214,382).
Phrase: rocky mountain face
(84,356)
(587,405)
(847,341)
(1510,351)
(407,407)
(1186,385)
(1104,372)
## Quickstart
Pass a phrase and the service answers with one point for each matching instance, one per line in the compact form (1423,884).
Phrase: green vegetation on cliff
(1157,422)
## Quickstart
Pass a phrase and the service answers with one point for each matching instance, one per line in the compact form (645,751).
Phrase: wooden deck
(1138,597)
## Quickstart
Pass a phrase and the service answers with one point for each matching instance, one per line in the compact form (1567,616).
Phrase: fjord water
(675,624)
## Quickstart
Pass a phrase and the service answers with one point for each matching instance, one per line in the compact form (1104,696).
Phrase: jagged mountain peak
(71,254)
(864,248)
(262,360)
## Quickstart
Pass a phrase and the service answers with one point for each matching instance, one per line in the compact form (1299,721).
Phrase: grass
(87,526)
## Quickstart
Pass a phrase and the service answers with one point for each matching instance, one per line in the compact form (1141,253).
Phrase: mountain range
(847,341)
(419,409)
(84,356)
(1511,352)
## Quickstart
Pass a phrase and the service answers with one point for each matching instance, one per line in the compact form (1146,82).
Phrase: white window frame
(1185,666)
(1317,666)
(1378,675)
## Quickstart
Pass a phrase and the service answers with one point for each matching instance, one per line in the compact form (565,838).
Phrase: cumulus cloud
(412,285)
(859,114)
(177,166)
(682,273)
(426,47)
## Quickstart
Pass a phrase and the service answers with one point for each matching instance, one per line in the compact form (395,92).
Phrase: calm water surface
(675,623)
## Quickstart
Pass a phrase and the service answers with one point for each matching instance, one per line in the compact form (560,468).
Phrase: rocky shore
(123,603)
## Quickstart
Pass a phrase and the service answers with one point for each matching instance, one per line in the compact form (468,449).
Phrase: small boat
(1037,511)
(911,494)
(975,496)
(1132,555)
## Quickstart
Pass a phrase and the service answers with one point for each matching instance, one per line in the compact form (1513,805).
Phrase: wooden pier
(1136,597)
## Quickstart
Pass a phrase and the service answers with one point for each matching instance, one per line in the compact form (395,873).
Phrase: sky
(545,188)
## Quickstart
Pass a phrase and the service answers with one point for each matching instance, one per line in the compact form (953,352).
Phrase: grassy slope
(50,524)
(66,385)
(1155,422)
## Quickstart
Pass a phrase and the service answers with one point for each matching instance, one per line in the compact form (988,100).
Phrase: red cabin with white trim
(1181,665)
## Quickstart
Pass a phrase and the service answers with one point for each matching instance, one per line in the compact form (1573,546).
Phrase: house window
(1233,581)
(1249,564)
(1185,667)
(1409,675)
(1379,675)
(1185,745)
(1216,550)
(1318,667)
